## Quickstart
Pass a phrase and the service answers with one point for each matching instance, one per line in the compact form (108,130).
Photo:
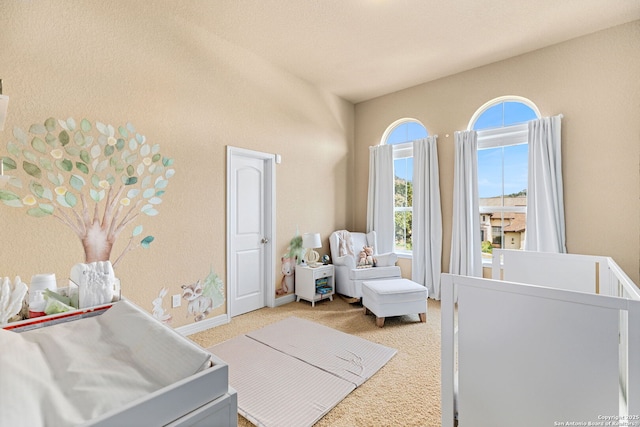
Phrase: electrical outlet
(175,301)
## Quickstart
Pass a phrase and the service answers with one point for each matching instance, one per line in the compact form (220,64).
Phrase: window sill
(403,255)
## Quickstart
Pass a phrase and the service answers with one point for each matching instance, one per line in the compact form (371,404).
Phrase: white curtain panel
(426,264)
(466,259)
(545,200)
(380,197)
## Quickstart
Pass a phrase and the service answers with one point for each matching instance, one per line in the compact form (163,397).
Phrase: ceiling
(362,49)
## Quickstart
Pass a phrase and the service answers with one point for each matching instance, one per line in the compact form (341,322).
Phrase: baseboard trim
(284,300)
(203,325)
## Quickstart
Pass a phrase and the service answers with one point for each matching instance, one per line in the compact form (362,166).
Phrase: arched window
(503,170)
(401,134)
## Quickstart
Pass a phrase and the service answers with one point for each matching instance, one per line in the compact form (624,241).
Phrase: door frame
(269,225)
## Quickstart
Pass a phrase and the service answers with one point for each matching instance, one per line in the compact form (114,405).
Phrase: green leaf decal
(149,192)
(37,212)
(131,180)
(85,125)
(130,170)
(72,150)
(64,165)
(82,167)
(123,132)
(50,124)
(77,182)
(167,162)
(71,124)
(13,149)
(84,156)
(120,144)
(36,188)
(8,195)
(63,137)
(102,128)
(146,241)
(9,163)
(51,139)
(20,135)
(32,169)
(30,156)
(62,201)
(46,163)
(149,210)
(38,129)
(96,195)
(136,231)
(41,211)
(47,194)
(108,150)
(38,145)
(156,157)
(53,179)
(78,137)
(15,203)
(70,198)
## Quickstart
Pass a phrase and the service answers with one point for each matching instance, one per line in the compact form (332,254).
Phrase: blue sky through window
(405,132)
(510,160)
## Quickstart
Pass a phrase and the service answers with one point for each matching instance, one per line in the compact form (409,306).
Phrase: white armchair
(345,247)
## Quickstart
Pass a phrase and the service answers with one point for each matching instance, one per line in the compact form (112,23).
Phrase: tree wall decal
(95,179)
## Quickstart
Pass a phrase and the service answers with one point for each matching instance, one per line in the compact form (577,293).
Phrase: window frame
(401,150)
(504,136)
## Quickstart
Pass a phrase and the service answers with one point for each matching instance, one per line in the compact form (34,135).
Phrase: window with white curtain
(401,135)
(503,171)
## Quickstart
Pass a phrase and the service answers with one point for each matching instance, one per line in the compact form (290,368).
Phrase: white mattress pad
(72,372)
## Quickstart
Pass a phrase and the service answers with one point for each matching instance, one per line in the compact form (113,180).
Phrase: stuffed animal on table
(370,260)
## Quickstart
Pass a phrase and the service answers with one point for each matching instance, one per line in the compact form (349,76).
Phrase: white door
(250,230)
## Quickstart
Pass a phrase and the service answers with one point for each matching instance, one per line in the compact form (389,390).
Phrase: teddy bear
(288,279)
(362,258)
(370,260)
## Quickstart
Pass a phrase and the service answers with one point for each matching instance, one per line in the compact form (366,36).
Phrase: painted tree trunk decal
(120,173)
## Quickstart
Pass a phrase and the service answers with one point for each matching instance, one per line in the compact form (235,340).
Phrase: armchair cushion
(348,277)
(386,260)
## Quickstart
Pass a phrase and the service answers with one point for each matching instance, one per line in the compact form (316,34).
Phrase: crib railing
(590,292)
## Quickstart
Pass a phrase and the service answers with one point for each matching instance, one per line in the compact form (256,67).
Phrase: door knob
(264,240)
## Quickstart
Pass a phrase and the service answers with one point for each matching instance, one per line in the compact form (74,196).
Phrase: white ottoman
(395,297)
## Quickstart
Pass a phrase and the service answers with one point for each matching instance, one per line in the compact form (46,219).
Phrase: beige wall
(192,93)
(595,82)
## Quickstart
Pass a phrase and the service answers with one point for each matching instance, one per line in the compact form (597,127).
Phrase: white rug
(292,372)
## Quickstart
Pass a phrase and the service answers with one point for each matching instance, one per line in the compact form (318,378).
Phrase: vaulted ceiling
(361,49)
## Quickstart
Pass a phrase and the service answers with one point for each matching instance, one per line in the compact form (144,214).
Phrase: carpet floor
(405,392)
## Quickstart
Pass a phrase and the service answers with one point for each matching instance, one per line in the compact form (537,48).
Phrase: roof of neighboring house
(508,201)
(518,223)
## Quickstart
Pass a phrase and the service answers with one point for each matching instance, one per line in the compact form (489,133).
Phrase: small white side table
(315,283)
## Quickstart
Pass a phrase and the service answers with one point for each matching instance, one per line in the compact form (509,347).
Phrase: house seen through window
(503,171)
(401,134)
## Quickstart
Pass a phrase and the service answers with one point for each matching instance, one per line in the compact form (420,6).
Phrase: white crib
(550,340)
